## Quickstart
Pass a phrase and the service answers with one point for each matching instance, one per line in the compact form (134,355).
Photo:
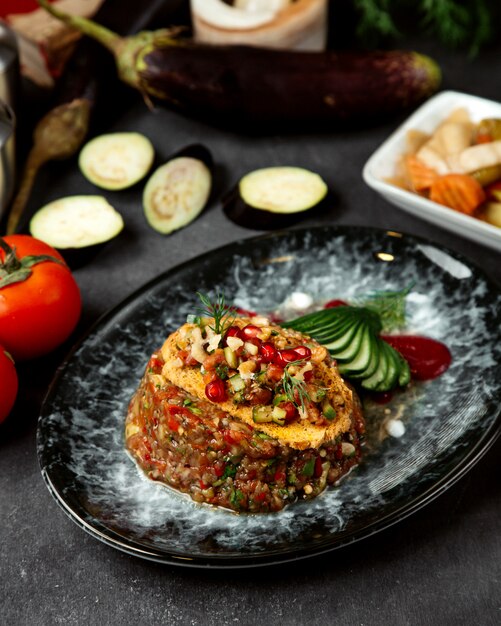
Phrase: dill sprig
(295,389)
(223,315)
(467,24)
(389,306)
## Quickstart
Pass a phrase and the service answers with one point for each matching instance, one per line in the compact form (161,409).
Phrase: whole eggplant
(254,85)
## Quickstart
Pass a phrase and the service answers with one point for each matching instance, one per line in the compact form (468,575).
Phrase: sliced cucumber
(373,383)
(404,377)
(351,350)
(392,371)
(351,334)
(365,362)
(342,340)
(116,160)
(176,193)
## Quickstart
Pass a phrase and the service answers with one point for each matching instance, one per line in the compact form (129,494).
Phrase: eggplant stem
(58,135)
(106,37)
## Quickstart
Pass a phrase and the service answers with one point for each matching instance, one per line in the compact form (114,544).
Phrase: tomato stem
(14,270)
(11,263)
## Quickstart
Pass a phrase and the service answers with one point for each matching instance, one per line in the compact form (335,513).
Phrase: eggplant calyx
(16,270)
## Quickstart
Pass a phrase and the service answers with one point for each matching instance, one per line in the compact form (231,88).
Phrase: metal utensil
(7,155)
(9,66)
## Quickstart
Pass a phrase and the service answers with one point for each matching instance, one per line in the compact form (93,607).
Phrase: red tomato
(36,314)
(8,384)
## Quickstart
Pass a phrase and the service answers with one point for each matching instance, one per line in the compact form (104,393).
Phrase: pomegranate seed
(334,303)
(250,331)
(303,352)
(233,331)
(285,356)
(216,390)
(268,352)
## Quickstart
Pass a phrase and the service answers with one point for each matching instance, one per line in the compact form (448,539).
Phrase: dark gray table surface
(440,566)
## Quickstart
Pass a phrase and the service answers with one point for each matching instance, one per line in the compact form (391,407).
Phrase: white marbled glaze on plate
(81,442)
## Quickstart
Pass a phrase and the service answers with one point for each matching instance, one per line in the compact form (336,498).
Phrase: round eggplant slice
(196,151)
(274,197)
(176,193)
(77,226)
(116,160)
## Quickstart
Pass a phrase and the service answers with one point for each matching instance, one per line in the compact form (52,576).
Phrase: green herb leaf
(222,314)
(389,305)
(295,389)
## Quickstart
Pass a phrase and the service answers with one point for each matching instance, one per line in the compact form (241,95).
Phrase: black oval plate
(449,422)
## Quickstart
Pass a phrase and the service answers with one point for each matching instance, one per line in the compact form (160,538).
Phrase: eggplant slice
(77,226)
(274,197)
(178,191)
(116,160)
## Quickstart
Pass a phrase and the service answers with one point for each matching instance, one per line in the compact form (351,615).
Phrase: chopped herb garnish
(389,305)
(223,316)
(295,389)
(229,471)
(189,404)
(236,497)
(263,436)
(222,371)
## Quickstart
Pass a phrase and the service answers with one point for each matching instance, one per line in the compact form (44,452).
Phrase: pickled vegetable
(489,128)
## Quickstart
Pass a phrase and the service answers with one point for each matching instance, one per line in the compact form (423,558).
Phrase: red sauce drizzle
(427,357)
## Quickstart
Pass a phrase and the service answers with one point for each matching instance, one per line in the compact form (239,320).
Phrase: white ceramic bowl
(382,165)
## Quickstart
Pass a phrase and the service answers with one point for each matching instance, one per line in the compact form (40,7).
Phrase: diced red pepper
(317,472)
(259,497)
(233,437)
(155,364)
(279,476)
(275,372)
(219,469)
(291,412)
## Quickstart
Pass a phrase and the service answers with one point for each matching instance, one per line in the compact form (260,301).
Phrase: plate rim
(467,462)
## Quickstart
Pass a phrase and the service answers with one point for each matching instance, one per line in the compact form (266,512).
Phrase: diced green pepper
(328,410)
(261,414)
(308,468)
